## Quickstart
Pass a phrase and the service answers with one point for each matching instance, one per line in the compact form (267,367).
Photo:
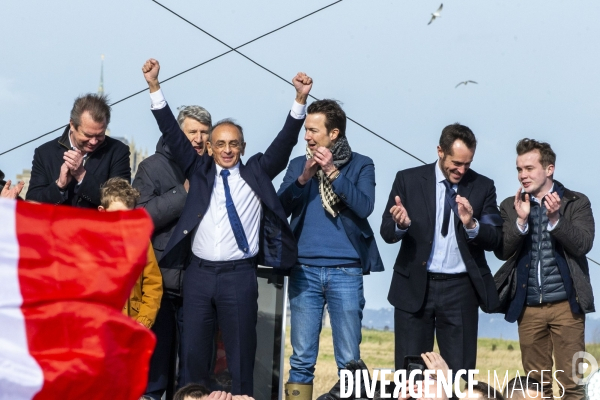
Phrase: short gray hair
(230,122)
(198,113)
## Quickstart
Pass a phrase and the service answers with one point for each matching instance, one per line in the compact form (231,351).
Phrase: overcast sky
(536,63)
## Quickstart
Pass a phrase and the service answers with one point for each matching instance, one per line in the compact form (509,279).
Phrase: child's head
(116,194)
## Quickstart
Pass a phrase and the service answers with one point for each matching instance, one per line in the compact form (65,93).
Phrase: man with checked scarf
(329,193)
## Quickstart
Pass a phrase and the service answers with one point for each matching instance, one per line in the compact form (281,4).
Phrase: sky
(536,64)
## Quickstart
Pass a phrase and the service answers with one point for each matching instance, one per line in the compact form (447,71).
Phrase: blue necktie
(234,218)
(449,204)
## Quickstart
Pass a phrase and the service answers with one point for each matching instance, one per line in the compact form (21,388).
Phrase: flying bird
(436,14)
(465,83)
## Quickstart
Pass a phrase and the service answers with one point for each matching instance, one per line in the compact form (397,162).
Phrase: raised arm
(185,155)
(277,155)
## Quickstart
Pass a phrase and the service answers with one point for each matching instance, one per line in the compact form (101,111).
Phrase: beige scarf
(341,155)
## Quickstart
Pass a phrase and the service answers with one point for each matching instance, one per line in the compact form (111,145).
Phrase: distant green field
(377,351)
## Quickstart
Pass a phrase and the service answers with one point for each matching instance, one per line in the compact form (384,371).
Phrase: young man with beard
(446,216)
(329,193)
(548,230)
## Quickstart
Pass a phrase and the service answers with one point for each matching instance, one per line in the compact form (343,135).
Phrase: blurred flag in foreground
(65,274)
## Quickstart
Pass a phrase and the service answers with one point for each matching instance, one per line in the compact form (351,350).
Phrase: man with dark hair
(164,190)
(548,230)
(70,169)
(329,193)
(445,214)
(232,220)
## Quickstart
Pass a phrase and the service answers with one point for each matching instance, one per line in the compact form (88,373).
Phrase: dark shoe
(335,392)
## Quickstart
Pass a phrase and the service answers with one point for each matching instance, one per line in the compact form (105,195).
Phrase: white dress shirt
(445,256)
(214,239)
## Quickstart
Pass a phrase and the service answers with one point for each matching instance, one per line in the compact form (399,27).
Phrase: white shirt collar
(539,200)
(235,170)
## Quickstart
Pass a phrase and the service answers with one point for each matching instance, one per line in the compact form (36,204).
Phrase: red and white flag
(65,274)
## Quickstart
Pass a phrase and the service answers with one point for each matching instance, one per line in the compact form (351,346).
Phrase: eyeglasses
(221,145)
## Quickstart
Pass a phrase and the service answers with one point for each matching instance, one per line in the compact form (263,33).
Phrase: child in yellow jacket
(143,303)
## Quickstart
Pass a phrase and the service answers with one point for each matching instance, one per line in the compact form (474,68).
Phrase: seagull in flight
(465,83)
(436,14)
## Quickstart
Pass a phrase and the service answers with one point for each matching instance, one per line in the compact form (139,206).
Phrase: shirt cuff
(550,226)
(298,110)
(472,233)
(158,100)
(400,232)
(524,229)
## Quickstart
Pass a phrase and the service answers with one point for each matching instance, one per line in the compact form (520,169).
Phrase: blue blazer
(277,247)
(356,187)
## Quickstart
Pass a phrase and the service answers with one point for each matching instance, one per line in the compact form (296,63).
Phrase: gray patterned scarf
(341,152)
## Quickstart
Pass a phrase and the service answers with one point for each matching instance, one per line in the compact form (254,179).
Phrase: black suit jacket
(109,160)
(416,188)
(277,246)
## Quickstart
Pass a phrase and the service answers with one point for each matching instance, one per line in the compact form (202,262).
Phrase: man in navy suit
(231,221)
(446,216)
(329,192)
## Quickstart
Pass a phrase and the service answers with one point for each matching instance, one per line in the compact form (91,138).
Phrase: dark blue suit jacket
(356,187)
(277,247)
(416,188)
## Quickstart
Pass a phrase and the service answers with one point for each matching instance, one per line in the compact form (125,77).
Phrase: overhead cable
(182,72)
(279,76)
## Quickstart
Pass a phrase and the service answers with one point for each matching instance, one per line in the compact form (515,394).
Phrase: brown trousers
(552,328)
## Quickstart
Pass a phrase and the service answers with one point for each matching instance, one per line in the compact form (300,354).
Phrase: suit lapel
(250,179)
(428,186)
(94,160)
(210,177)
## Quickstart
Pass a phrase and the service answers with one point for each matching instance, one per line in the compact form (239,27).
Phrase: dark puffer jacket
(160,182)
(573,236)
(544,283)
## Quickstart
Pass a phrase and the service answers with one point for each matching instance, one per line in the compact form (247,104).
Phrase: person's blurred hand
(219,395)
(12,193)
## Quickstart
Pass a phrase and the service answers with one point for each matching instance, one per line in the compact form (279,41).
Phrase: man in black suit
(446,216)
(70,169)
(232,220)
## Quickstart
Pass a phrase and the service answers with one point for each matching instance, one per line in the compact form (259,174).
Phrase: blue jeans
(310,289)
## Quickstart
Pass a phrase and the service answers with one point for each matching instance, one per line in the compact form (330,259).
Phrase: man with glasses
(232,221)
